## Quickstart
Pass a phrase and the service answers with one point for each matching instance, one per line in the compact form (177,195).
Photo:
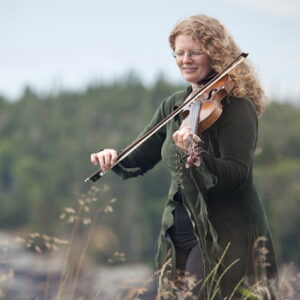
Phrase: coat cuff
(126,173)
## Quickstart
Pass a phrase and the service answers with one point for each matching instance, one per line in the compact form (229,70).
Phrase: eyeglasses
(194,54)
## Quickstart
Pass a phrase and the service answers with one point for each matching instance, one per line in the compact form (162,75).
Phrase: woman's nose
(187,57)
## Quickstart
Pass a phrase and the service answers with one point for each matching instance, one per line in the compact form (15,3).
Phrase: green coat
(219,195)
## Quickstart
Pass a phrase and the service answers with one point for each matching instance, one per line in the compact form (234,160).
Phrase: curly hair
(221,49)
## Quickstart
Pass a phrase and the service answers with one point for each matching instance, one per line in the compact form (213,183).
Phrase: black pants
(189,259)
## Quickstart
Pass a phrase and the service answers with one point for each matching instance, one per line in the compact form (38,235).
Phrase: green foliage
(45,146)
(46,141)
(277,174)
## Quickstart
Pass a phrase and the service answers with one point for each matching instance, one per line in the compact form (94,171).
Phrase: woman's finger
(105,158)
(94,159)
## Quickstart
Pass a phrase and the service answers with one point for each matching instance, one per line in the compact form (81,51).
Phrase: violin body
(202,112)
(210,111)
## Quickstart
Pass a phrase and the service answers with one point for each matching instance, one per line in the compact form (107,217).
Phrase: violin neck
(195,111)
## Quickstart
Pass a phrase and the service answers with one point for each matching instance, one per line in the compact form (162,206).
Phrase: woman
(214,233)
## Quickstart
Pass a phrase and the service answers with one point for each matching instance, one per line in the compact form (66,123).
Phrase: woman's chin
(191,80)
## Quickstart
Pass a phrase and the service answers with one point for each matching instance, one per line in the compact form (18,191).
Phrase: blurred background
(77,76)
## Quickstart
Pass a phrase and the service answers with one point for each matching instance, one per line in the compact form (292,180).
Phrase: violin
(215,87)
(201,113)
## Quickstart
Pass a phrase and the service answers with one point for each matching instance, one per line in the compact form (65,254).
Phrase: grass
(83,219)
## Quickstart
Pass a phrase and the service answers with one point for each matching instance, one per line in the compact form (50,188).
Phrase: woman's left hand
(182,138)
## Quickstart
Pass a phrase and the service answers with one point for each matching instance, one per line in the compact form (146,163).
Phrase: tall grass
(82,218)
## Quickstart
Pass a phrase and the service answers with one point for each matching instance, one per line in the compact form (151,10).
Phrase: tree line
(46,141)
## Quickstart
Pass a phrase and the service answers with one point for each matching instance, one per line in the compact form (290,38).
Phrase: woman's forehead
(186,40)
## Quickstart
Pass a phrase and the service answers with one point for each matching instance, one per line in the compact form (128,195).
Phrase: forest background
(66,91)
(46,141)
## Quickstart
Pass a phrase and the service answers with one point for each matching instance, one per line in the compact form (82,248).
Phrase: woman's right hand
(105,158)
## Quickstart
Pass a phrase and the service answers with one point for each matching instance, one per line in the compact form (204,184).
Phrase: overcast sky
(58,44)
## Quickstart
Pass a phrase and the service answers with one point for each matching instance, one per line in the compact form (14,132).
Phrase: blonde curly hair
(221,49)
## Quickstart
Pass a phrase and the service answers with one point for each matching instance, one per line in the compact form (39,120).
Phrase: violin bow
(134,145)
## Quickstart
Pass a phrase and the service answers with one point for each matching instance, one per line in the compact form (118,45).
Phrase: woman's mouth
(189,69)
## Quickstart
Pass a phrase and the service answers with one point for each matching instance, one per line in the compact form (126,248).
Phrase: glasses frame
(194,54)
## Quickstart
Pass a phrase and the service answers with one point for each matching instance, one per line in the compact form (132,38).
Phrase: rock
(25,275)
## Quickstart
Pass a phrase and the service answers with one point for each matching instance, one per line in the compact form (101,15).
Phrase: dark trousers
(189,258)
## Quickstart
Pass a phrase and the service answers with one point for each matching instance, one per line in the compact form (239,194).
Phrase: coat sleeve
(236,138)
(147,155)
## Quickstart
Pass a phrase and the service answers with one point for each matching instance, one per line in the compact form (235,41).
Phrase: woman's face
(193,65)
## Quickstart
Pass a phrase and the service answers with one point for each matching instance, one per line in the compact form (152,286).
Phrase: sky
(69,44)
